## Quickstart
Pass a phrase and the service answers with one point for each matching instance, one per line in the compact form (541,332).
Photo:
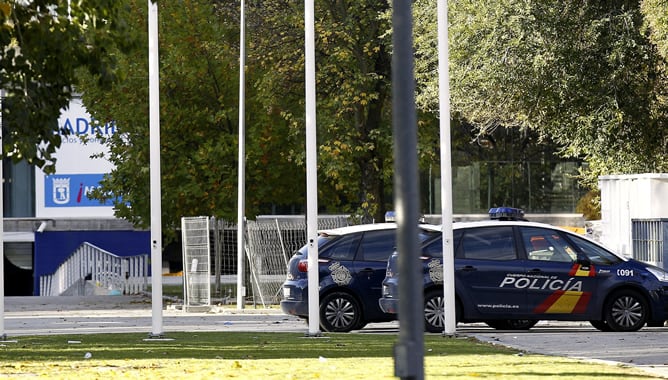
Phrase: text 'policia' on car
(351,267)
(511,273)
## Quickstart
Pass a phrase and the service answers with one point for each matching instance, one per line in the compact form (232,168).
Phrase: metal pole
(409,351)
(156,193)
(3,336)
(446,170)
(311,172)
(241,192)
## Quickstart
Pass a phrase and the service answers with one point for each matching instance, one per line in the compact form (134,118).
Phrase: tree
(656,19)
(198,119)
(581,73)
(353,95)
(44,43)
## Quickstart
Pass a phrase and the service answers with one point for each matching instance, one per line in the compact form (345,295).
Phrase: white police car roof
(357,228)
(432,227)
(488,223)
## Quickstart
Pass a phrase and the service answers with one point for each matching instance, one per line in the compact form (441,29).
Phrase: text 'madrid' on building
(80,167)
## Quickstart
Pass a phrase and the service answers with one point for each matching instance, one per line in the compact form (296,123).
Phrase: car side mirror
(584,262)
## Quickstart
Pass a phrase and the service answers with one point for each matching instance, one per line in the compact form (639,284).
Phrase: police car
(351,267)
(511,273)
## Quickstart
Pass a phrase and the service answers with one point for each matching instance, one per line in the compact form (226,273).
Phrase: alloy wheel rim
(434,312)
(627,311)
(340,313)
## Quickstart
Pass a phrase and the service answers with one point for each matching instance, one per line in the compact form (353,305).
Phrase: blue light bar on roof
(506,213)
(390,216)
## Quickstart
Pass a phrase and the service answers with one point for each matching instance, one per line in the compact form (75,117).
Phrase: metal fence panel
(196,262)
(269,245)
(648,237)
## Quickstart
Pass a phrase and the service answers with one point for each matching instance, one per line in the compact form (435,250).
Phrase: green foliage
(44,43)
(590,205)
(353,95)
(199,119)
(656,19)
(581,73)
(198,140)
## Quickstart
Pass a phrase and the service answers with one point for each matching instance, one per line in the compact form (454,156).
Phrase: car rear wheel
(625,310)
(340,312)
(434,312)
(512,324)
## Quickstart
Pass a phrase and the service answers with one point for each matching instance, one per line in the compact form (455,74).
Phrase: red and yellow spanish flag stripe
(568,301)
(577,270)
(564,302)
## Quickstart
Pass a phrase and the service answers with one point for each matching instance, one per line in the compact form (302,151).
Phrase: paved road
(107,314)
(647,349)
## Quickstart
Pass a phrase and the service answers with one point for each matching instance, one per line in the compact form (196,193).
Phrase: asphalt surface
(646,349)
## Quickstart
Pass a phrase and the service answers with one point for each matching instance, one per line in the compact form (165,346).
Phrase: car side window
(547,245)
(377,245)
(435,248)
(488,243)
(343,248)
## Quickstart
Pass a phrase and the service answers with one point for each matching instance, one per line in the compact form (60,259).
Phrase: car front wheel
(340,312)
(601,325)
(626,310)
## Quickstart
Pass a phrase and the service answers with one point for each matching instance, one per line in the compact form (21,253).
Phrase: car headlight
(660,274)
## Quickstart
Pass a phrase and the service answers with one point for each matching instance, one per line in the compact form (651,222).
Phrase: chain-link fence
(196,262)
(270,241)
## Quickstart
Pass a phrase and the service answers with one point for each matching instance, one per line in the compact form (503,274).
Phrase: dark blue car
(352,263)
(511,274)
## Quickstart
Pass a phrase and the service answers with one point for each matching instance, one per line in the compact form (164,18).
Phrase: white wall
(627,197)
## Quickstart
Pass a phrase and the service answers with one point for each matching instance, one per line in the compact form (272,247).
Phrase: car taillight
(303,266)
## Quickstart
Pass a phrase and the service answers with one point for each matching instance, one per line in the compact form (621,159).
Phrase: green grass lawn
(243,355)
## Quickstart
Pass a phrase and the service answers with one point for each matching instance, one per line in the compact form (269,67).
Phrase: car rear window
(377,245)
(488,243)
(343,248)
(435,248)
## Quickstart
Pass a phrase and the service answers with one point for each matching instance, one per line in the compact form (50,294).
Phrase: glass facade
(18,189)
(535,187)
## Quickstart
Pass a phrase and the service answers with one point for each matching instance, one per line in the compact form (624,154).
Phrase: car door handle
(534,270)
(366,271)
(468,268)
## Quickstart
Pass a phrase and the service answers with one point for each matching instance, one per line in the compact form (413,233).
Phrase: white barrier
(92,267)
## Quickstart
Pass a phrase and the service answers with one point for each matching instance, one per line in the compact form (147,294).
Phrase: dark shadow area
(18,282)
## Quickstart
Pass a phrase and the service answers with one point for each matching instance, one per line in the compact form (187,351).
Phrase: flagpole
(155,190)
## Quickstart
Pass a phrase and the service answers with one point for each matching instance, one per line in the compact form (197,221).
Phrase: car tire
(512,324)
(625,310)
(434,312)
(601,325)
(340,312)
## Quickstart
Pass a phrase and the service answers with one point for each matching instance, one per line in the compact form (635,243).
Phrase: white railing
(91,268)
